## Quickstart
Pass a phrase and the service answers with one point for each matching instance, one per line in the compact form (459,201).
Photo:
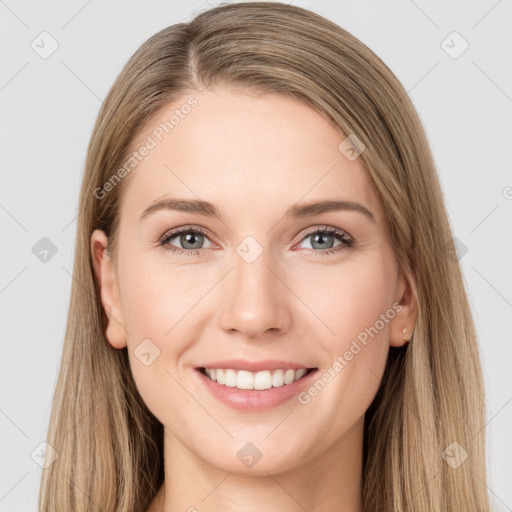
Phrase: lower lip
(253,399)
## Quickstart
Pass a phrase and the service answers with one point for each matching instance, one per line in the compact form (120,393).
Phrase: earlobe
(402,325)
(107,282)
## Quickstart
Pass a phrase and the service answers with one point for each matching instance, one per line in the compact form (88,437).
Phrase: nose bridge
(256,300)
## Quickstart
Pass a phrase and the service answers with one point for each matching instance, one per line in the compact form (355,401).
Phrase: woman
(266,312)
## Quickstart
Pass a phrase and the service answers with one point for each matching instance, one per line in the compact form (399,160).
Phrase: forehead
(243,150)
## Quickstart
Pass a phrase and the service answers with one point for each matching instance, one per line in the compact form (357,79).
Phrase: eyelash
(340,235)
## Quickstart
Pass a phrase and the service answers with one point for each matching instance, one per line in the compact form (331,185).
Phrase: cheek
(155,343)
(352,303)
(163,307)
(157,298)
(348,299)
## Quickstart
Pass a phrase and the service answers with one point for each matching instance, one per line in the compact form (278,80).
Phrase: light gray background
(48,110)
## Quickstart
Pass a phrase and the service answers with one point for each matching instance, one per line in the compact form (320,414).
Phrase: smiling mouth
(267,379)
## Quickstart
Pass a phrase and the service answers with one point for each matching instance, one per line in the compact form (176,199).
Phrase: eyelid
(337,232)
(324,229)
(207,233)
(172,233)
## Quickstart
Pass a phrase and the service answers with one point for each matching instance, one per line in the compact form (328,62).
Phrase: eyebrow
(296,211)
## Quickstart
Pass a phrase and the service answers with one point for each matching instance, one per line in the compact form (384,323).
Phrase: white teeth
(243,379)
(300,373)
(230,378)
(289,376)
(262,380)
(278,378)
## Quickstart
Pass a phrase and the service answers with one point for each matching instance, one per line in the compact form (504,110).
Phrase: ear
(406,316)
(107,280)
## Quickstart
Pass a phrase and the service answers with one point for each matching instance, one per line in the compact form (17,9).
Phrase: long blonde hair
(109,445)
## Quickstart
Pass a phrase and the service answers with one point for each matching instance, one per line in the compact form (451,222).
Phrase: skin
(253,156)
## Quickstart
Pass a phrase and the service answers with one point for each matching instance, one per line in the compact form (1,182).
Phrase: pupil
(319,236)
(188,239)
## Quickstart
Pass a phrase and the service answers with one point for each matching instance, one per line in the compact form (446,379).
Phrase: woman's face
(250,280)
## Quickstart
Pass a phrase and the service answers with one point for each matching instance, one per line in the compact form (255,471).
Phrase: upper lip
(254,366)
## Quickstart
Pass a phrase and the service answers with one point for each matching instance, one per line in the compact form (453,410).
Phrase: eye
(324,239)
(191,239)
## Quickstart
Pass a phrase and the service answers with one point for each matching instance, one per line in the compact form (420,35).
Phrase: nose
(258,302)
